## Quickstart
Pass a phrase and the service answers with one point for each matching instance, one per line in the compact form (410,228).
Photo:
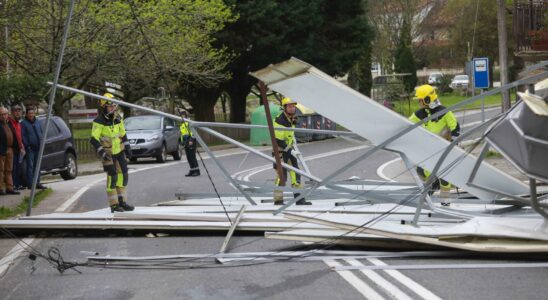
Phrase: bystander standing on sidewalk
(8,149)
(32,134)
(15,120)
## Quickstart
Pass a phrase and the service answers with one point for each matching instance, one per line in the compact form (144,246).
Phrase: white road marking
(380,170)
(471,124)
(84,189)
(7,260)
(388,287)
(256,170)
(466,113)
(351,278)
(408,282)
(15,251)
(357,283)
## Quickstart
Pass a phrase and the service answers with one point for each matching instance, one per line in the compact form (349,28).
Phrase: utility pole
(503,52)
(7,32)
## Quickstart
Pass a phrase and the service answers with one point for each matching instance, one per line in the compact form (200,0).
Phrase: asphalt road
(288,280)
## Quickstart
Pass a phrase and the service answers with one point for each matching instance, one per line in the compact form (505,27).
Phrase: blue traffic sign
(481,73)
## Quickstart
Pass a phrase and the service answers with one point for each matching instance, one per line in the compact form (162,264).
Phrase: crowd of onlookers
(19,141)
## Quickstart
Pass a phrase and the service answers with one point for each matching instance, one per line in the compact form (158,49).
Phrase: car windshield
(143,123)
(461,77)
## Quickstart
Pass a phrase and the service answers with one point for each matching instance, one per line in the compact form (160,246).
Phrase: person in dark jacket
(32,134)
(8,149)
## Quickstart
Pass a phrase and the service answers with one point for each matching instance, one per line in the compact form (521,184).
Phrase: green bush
(443,85)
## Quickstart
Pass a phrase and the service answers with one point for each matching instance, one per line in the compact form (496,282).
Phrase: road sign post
(481,73)
(480,68)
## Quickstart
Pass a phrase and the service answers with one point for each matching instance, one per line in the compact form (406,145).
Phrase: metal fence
(530,25)
(84,149)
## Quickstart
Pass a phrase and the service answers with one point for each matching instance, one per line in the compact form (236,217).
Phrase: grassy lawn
(84,133)
(6,212)
(407,107)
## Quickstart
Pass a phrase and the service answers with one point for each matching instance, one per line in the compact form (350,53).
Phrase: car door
(53,150)
(170,132)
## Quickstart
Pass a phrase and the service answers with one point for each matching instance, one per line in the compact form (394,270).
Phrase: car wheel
(178,153)
(162,157)
(71,167)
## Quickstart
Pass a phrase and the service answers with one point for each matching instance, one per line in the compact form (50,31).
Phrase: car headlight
(153,138)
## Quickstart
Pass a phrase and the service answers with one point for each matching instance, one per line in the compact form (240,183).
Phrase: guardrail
(84,149)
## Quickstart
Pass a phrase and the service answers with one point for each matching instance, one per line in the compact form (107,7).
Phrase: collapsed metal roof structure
(494,217)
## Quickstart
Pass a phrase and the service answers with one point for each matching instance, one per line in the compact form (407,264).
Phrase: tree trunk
(238,88)
(203,102)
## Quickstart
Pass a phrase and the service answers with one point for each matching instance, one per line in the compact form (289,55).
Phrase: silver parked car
(153,136)
(460,82)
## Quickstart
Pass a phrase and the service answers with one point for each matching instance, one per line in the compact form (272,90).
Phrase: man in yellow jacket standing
(285,140)
(189,143)
(445,126)
(108,136)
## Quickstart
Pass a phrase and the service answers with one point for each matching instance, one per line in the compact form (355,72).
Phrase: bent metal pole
(275,148)
(50,108)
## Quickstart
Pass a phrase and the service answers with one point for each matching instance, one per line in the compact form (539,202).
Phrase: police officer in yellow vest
(189,143)
(108,136)
(445,126)
(285,140)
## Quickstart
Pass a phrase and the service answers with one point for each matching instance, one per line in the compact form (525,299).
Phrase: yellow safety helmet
(286,101)
(427,93)
(104,102)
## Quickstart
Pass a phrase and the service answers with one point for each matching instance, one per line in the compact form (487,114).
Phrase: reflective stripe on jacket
(185,130)
(284,138)
(112,130)
(437,125)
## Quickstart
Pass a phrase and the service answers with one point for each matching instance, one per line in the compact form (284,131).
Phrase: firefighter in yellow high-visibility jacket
(285,140)
(108,136)
(445,126)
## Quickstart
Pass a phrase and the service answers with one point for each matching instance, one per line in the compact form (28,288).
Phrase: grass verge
(6,212)
(406,107)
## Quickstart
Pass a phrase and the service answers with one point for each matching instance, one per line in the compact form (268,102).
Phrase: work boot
(116,208)
(302,201)
(445,196)
(125,206)
(278,197)
(193,173)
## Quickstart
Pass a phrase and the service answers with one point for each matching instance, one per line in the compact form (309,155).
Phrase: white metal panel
(533,228)
(376,123)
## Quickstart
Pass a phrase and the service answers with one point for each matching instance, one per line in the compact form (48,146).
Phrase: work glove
(127,151)
(104,155)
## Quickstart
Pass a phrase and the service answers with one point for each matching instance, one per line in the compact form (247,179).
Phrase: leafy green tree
(404,61)
(138,44)
(328,34)
(20,89)
(474,30)
(359,76)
